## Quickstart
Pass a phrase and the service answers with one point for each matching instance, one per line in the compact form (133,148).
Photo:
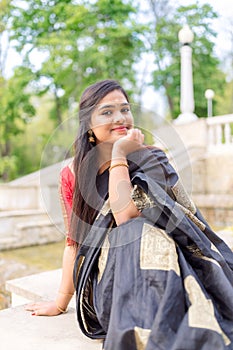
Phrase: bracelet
(118,164)
(60,309)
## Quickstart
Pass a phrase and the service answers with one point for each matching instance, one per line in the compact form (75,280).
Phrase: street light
(185,37)
(209,95)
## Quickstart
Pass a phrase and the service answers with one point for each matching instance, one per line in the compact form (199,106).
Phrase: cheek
(100,122)
(101,131)
(130,120)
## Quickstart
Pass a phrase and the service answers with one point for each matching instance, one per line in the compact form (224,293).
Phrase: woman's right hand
(43,308)
(133,141)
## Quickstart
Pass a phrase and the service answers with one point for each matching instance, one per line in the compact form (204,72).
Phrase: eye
(108,112)
(125,110)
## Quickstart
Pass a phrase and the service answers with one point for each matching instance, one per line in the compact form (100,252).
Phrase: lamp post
(186,36)
(209,95)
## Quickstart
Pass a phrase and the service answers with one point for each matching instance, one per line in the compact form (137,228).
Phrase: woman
(149,273)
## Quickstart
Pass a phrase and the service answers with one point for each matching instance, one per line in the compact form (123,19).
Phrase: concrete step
(39,332)
(216,208)
(18,198)
(28,227)
(21,331)
(9,219)
(36,287)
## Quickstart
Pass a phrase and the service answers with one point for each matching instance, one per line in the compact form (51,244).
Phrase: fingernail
(33,314)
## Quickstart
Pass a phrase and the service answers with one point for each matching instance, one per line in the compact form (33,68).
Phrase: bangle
(118,164)
(70,294)
(60,309)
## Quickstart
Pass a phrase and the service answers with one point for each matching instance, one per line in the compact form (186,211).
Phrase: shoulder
(154,162)
(156,150)
(156,154)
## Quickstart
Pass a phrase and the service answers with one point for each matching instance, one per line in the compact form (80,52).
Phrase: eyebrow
(112,106)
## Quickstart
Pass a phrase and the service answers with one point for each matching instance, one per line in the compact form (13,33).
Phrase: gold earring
(91,137)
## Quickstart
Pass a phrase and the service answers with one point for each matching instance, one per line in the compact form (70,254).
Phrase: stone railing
(220,131)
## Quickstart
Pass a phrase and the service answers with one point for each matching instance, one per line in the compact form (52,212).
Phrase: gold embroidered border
(102,261)
(141,337)
(158,250)
(198,253)
(103,258)
(182,197)
(201,311)
(105,209)
(80,264)
(192,217)
(141,199)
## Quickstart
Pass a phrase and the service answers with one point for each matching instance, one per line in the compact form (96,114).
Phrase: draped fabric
(161,281)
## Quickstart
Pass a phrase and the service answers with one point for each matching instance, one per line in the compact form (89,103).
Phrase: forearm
(120,188)
(66,289)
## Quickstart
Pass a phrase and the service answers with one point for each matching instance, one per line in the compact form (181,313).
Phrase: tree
(15,106)
(225,105)
(78,42)
(165,25)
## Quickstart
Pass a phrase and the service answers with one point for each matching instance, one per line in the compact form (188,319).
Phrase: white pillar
(186,79)
(209,95)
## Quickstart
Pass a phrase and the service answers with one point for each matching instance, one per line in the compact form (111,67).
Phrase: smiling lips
(121,129)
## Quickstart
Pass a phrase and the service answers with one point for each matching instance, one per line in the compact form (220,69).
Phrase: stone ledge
(227,236)
(213,200)
(21,212)
(21,331)
(36,287)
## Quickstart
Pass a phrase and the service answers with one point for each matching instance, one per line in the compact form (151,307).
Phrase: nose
(118,118)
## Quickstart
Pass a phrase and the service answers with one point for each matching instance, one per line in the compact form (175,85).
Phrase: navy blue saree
(161,281)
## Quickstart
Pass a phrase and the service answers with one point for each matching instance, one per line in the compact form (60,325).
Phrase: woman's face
(111,118)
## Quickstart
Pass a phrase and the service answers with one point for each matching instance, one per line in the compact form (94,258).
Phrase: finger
(30,307)
(133,134)
(40,312)
(138,135)
(35,306)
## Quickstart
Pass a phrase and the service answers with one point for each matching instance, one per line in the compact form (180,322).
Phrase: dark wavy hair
(86,201)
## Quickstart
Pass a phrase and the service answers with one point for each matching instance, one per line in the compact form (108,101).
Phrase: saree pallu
(161,281)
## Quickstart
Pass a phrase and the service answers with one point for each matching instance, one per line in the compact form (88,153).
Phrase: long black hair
(86,202)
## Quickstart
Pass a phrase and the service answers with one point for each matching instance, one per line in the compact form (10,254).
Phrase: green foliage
(81,43)
(77,43)
(167,56)
(223,103)
(15,111)
(8,165)
(43,144)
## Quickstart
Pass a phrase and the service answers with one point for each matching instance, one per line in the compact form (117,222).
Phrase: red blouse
(66,188)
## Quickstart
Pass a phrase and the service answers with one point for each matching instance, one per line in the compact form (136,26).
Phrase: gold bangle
(118,164)
(70,294)
(60,309)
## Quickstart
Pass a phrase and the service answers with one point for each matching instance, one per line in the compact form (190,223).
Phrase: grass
(42,257)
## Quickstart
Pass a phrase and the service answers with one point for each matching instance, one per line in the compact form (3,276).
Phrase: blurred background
(50,51)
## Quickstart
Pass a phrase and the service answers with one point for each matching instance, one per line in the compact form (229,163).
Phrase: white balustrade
(220,131)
